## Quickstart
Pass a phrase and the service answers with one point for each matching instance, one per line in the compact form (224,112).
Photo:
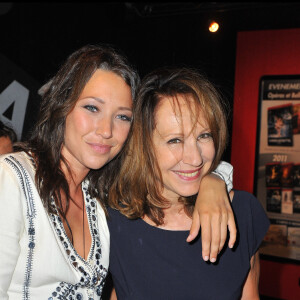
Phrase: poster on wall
(277,178)
(19,100)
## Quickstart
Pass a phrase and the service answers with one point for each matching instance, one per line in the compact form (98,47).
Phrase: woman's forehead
(179,110)
(179,105)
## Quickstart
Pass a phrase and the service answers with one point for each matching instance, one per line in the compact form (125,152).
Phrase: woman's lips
(188,175)
(100,148)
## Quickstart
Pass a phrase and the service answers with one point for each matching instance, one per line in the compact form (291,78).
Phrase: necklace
(83,233)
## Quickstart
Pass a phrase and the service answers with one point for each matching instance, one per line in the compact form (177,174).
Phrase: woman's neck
(175,218)
(74,179)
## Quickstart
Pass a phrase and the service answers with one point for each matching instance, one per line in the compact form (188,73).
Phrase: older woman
(177,138)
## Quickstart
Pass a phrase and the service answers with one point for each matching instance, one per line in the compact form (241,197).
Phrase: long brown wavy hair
(59,97)
(136,191)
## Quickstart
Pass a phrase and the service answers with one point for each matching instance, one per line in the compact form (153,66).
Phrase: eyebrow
(175,133)
(103,102)
(170,134)
(179,133)
(97,99)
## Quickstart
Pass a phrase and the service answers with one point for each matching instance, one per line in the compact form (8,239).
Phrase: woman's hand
(213,214)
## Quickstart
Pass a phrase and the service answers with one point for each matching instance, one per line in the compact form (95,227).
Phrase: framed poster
(277,178)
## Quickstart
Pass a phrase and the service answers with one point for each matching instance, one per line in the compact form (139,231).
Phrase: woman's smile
(101,148)
(188,175)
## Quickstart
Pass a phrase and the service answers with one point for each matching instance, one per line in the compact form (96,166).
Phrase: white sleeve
(11,226)
(225,171)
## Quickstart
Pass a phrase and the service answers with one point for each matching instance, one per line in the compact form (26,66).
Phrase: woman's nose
(192,154)
(104,128)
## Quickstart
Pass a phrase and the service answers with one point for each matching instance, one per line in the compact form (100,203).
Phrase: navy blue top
(147,262)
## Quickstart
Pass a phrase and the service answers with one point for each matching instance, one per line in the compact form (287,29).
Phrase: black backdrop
(37,37)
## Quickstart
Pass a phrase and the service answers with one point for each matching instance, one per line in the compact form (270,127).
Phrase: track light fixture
(213,26)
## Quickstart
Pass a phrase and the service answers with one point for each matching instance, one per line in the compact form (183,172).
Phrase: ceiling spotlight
(213,26)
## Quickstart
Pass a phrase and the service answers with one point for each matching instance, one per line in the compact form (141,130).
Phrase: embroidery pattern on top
(31,214)
(92,272)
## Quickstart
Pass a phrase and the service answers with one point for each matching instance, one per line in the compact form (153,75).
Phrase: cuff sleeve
(225,171)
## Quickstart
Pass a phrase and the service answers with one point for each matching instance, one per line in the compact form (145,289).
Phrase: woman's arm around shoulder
(213,212)
(11,226)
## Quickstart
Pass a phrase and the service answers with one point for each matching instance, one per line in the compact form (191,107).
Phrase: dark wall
(37,37)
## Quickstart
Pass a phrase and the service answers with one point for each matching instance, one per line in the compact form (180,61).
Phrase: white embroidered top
(37,260)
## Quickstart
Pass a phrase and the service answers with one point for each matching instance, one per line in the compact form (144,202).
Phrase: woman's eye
(91,108)
(205,136)
(174,141)
(124,118)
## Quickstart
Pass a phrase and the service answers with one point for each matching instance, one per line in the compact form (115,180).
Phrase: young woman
(177,138)
(53,231)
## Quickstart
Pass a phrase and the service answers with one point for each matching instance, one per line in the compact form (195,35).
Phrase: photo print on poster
(280,126)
